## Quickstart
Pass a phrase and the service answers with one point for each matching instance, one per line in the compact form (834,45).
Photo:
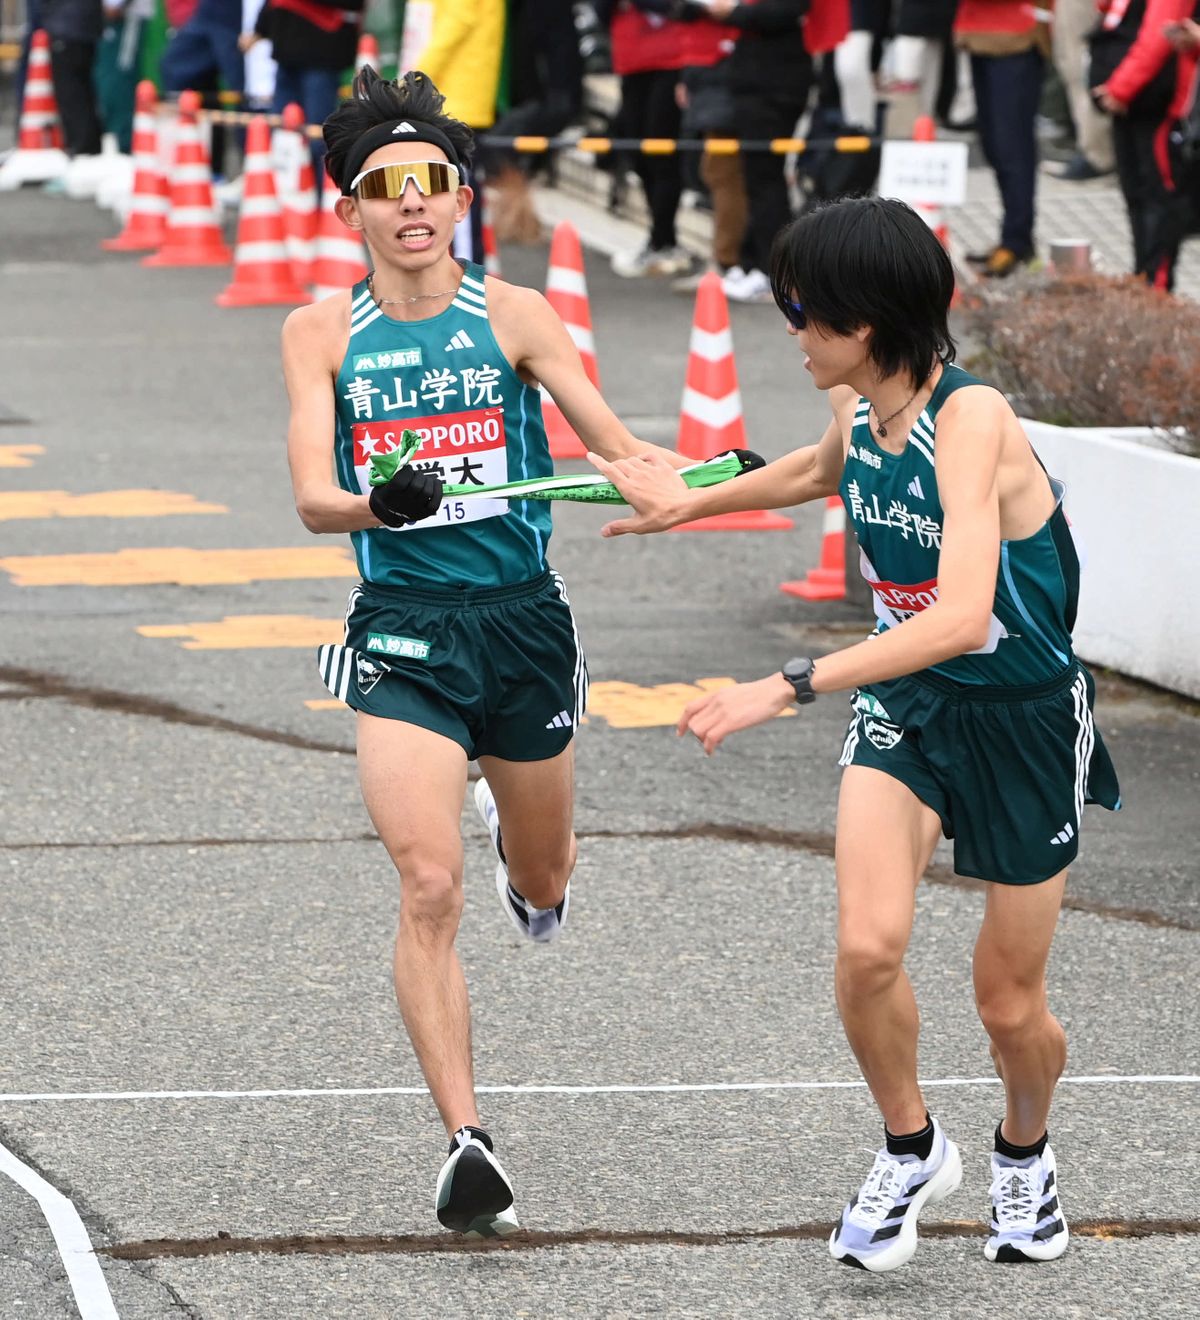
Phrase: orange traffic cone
(340,258)
(298,192)
(566,292)
(146,226)
(710,416)
(193,235)
(828,580)
(39,156)
(491,253)
(368,52)
(262,274)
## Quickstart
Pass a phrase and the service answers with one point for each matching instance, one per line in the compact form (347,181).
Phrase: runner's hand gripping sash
(585,489)
(408,494)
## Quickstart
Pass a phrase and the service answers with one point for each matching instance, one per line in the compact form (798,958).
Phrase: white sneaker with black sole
(538,924)
(878,1228)
(474,1196)
(1027,1220)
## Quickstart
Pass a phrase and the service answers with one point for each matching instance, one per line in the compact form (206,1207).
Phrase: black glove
(410,496)
(748,459)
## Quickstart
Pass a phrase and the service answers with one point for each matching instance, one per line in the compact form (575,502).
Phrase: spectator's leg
(655,114)
(71,68)
(1013,88)
(759,118)
(1167,212)
(319,93)
(1130,151)
(856,84)
(1073,19)
(988,124)
(726,184)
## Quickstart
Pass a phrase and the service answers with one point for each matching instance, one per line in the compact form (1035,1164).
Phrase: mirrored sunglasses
(795,314)
(430,176)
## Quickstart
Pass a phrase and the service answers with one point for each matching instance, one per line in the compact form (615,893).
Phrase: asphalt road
(195,913)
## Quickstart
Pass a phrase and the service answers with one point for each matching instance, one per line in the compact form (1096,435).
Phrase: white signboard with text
(934,173)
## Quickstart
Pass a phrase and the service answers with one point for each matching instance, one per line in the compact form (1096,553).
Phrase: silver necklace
(395,302)
(881,426)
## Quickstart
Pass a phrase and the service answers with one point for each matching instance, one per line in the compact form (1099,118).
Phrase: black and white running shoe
(474,1196)
(1027,1220)
(878,1229)
(538,924)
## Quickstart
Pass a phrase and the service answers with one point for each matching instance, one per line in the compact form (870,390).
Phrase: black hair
(870,261)
(374,101)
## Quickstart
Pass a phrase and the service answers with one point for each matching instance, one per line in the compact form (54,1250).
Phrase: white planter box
(1135,510)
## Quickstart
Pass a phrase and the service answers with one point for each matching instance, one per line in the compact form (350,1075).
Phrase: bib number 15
(452,511)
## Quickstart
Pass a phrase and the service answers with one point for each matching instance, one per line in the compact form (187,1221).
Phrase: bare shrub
(1091,350)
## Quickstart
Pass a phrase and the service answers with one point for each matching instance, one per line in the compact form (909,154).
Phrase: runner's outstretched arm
(661,500)
(545,351)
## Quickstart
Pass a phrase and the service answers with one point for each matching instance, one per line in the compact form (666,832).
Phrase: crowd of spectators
(1124,73)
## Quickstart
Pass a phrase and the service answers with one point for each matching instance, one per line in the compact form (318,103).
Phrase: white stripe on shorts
(581,674)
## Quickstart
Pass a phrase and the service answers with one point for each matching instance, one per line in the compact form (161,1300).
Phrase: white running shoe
(878,1229)
(652,262)
(473,1195)
(753,287)
(538,924)
(1027,1221)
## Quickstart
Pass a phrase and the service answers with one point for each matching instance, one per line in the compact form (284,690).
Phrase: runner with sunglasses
(460,643)
(971,716)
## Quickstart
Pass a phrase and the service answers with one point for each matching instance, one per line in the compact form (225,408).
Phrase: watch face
(797,670)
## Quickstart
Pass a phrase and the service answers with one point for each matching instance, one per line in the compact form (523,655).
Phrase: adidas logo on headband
(405,127)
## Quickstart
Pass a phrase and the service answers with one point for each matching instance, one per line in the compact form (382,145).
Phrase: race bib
(463,449)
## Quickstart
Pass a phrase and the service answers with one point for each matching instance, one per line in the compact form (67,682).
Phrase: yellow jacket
(463,57)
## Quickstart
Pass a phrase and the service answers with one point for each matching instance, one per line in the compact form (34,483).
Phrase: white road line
(662,1088)
(74,1246)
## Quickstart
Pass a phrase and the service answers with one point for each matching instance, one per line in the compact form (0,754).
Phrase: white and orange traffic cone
(262,274)
(491,253)
(193,234)
(39,156)
(710,416)
(566,292)
(367,53)
(828,580)
(297,193)
(340,259)
(146,227)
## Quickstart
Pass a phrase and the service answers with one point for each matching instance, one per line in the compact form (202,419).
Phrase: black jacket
(770,58)
(73,20)
(296,41)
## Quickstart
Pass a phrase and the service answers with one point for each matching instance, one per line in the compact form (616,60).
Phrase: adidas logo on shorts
(561,721)
(460,340)
(1065,835)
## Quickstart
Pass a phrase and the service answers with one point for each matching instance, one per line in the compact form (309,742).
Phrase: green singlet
(445,378)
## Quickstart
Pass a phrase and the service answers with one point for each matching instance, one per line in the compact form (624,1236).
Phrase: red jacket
(996,16)
(826,25)
(1150,51)
(642,43)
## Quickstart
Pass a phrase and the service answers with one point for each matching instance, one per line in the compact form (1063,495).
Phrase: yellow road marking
(247,631)
(19,455)
(628,706)
(100,504)
(179,565)
(624,705)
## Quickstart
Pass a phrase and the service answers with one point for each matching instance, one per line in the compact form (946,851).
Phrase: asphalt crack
(425,1244)
(33,684)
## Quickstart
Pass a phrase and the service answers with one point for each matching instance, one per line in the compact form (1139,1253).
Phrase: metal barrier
(599,146)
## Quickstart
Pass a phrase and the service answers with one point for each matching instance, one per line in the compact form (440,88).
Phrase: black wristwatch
(799,673)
